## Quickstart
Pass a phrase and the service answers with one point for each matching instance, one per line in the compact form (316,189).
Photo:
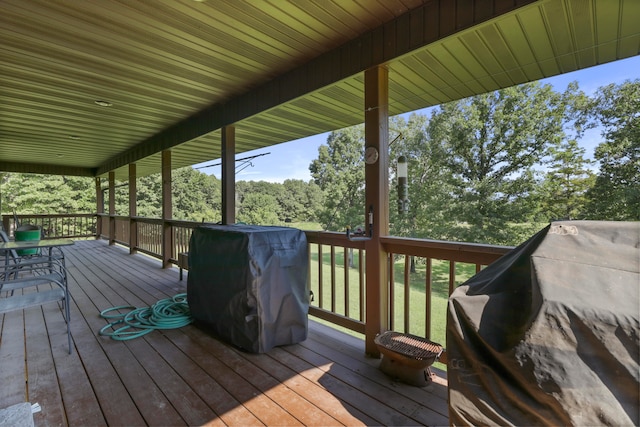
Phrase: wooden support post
(99,206)
(112,208)
(376,125)
(228,141)
(133,210)
(167,212)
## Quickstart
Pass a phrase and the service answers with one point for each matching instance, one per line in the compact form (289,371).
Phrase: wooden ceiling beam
(46,169)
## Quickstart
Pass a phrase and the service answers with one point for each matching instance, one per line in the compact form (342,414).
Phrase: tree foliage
(563,192)
(195,197)
(339,172)
(268,203)
(489,146)
(34,194)
(427,184)
(492,168)
(616,193)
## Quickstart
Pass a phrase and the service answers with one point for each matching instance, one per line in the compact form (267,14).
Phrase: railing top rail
(439,249)
(187,224)
(333,238)
(72,215)
(147,220)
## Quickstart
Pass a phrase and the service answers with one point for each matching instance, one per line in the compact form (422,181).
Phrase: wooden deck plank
(335,345)
(151,401)
(81,407)
(116,404)
(42,383)
(260,405)
(314,392)
(125,285)
(12,357)
(76,392)
(262,378)
(321,374)
(186,402)
(380,393)
(187,376)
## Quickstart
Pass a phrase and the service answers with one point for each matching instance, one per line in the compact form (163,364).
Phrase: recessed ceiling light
(103,103)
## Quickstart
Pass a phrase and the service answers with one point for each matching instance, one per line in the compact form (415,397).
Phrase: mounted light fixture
(103,103)
(403,187)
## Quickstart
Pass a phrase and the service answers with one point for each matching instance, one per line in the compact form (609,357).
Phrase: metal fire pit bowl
(407,357)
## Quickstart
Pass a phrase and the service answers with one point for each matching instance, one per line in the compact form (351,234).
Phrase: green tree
(81,194)
(339,172)
(427,180)
(295,200)
(275,192)
(563,191)
(196,196)
(47,194)
(616,193)
(301,200)
(489,146)
(258,208)
(149,196)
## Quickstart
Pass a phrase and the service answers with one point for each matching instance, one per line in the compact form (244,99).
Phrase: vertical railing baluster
(392,292)
(320,278)
(309,272)
(361,283)
(407,291)
(452,276)
(427,296)
(346,281)
(333,278)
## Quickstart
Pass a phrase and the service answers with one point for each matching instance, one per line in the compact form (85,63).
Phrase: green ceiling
(176,71)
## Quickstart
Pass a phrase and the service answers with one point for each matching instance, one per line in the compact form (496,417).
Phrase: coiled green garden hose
(168,313)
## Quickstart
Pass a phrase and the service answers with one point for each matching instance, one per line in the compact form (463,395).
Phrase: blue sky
(291,160)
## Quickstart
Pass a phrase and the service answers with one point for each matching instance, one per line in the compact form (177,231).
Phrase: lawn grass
(417,296)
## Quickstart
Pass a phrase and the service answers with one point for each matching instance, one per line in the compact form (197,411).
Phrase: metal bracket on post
(362,235)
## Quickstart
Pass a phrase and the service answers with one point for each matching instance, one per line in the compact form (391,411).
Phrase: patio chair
(28,275)
(22,272)
(55,257)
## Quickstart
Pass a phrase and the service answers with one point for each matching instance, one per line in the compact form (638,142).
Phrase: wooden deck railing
(55,225)
(416,295)
(422,273)
(336,273)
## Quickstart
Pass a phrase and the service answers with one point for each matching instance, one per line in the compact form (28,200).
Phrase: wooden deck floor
(186,376)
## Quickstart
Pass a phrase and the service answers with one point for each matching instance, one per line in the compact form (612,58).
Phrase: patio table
(35,244)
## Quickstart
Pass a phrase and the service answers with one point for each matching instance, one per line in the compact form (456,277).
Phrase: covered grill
(249,283)
(549,333)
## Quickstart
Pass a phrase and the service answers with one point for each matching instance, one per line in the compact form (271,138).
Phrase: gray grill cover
(548,334)
(250,284)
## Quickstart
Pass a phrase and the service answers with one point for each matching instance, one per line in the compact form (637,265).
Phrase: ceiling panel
(161,63)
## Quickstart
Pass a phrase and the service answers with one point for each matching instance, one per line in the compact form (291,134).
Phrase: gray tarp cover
(548,334)
(250,284)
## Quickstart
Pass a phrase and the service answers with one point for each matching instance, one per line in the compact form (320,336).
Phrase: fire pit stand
(407,357)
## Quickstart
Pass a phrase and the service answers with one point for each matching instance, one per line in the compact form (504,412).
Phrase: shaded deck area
(187,376)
